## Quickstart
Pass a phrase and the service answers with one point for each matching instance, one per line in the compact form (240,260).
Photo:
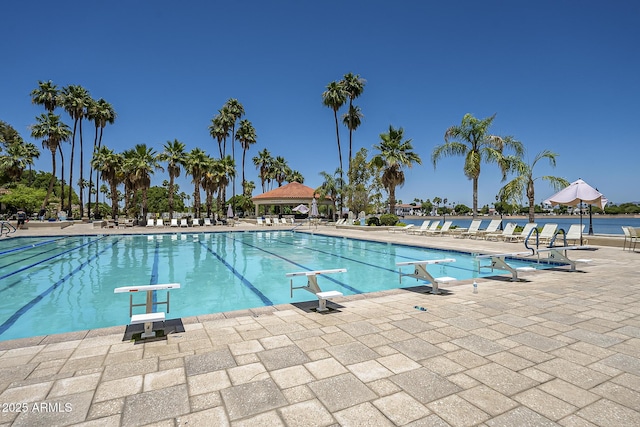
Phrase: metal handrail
(10,228)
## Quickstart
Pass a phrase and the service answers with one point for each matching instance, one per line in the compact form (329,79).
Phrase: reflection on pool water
(52,285)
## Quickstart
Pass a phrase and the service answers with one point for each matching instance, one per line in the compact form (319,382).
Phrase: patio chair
(574,233)
(526,230)
(401,229)
(267,221)
(547,233)
(508,231)
(473,229)
(440,231)
(183,222)
(195,222)
(150,223)
(207,222)
(632,235)
(259,221)
(423,227)
(160,222)
(174,222)
(491,228)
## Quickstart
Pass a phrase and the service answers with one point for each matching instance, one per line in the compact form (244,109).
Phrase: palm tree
(236,110)
(141,163)
(295,176)
(352,120)
(110,165)
(523,183)
(394,155)
(280,170)
(330,187)
(263,163)
(248,188)
(246,136)
(472,140)
(211,179)
(196,165)
(353,85)
(218,131)
(47,94)
(52,131)
(75,100)
(175,156)
(335,97)
(101,113)
(226,170)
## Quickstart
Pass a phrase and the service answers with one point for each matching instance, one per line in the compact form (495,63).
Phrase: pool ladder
(6,228)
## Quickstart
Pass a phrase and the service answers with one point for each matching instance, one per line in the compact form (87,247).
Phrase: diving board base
(147,319)
(324,296)
(312,285)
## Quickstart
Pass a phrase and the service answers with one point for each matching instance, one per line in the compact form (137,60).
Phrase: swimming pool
(62,284)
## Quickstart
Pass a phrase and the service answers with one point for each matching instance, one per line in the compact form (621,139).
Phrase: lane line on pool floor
(41,253)
(34,245)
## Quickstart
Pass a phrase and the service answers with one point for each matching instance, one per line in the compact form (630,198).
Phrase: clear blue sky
(560,75)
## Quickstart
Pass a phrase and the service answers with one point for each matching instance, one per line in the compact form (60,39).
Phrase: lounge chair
(267,221)
(631,234)
(423,227)
(293,221)
(150,223)
(401,229)
(340,221)
(491,228)
(160,222)
(574,235)
(432,228)
(259,221)
(207,222)
(522,236)
(473,229)
(547,233)
(195,222)
(183,222)
(174,222)
(442,230)
(508,231)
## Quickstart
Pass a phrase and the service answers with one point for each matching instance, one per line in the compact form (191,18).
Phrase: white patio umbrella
(576,193)
(303,209)
(230,212)
(314,208)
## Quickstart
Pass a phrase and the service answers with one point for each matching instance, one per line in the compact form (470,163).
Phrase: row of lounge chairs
(275,221)
(183,222)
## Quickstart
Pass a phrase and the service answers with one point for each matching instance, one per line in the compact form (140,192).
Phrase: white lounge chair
(195,222)
(423,227)
(547,233)
(183,222)
(259,221)
(293,221)
(174,222)
(432,228)
(340,221)
(401,229)
(267,221)
(491,228)
(526,230)
(630,234)
(160,222)
(442,230)
(575,234)
(508,231)
(150,223)
(207,222)
(473,229)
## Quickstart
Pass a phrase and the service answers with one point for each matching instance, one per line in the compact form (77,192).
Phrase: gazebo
(291,194)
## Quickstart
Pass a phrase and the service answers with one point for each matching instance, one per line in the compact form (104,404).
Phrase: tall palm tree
(472,140)
(249,187)
(263,163)
(330,186)
(14,160)
(352,120)
(524,181)
(211,179)
(226,169)
(75,100)
(295,176)
(141,163)
(395,154)
(218,131)
(102,114)
(175,156)
(236,110)
(353,85)
(47,95)
(280,170)
(197,164)
(246,136)
(52,131)
(110,165)
(335,97)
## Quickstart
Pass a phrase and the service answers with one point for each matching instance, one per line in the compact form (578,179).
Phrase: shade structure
(314,208)
(303,209)
(229,212)
(576,193)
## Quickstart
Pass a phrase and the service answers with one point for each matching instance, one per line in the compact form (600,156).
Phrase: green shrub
(373,221)
(388,219)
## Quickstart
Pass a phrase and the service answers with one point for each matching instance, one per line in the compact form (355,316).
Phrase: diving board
(498,262)
(149,316)
(560,253)
(420,272)
(312,285)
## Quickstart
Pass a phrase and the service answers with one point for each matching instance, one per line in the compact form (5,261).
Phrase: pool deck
(560,348)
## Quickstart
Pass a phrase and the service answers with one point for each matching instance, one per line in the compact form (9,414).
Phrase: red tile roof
(293,190)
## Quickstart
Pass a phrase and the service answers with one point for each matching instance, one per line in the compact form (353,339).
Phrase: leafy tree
(263,162)
(102,114)
(175,157)
(110,166)
(472,140)
(247,137)
(331,186)
(524,181)
(197,164)
(280,170)
(23,197)
(140,163)
(295,176)
(395,154)
(360,183)
(47,95)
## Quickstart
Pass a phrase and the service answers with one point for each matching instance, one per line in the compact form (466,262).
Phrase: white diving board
(149,316)
(498,262)
(420,272)
(312,285)
(560,254)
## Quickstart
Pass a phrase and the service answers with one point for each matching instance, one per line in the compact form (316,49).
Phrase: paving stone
(607,413)
(401,408)
(575,374)
(357,329)
(267,419)
(209,417)
(341,391)
(424,385)
(479,345)
(623,362)
(351,353)
(413,325)
(520,416)
(537,341)
(210,361)
(292,376)
(362,415)
(118,388)
(370,370)
(501,379)
(569,392)
(308,413)
(545,404)
(325,368)
(601,340)
(250,399)
(283,357)
(417,349)
(136,367)
(163,379)
(207,383)
(67,410)
(619,394)
(151,406)
(74,385)
(398,363)
(489,400)
(457,411)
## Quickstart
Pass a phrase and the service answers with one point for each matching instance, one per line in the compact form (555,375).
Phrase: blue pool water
(62,284)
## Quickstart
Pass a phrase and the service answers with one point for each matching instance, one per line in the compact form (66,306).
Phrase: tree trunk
(171,180)
(95,141)
(73,151)
(45,202)
(114,199)
(81,174)
(475,198)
